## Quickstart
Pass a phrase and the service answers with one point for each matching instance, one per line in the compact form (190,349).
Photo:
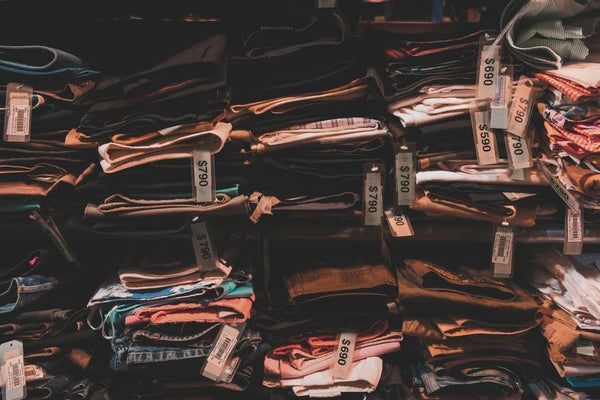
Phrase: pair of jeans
(25,290)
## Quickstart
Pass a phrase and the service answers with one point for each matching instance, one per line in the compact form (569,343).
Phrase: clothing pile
(477,334)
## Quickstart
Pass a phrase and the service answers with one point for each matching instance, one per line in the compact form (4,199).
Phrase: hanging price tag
(373,194)
(398,223)
(488,68)
(558,187)
(485,139)
(405,175)
(204,248)
(203,176)
(17,114)
(518,150)
(344,354)
(520,109)
(499,105)
(502,254)
(217,360)
(326,3)
(573,232)
(13,370)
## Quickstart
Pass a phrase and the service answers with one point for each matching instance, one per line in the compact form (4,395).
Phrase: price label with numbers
(17,119)
(217,360)
(399,223)
(344,355)
(486,145)
(574,229)
(204,248)
(520,109)
(373,194)
(204,176)
(519,151)
(502,253)
(488,71)
(405,175)
(13,370)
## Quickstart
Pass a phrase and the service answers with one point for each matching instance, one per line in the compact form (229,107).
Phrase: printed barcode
(17,375)
(30,373)
(223,346)
(574,229)
(502,247)
(20,128)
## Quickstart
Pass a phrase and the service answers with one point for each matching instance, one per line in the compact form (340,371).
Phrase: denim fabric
(203,338)
(25,290)
(48,388)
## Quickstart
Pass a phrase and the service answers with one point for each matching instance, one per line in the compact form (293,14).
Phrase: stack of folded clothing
(428,80)
(477,334)
(164,324)
(571,125)
(309,150)
(329,296)
(291,55)
(62,357)
(571,321)
(147,126)
(37,169)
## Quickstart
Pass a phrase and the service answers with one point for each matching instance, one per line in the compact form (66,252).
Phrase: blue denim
(47,388)
(56,62)
(25,290)
(589,381)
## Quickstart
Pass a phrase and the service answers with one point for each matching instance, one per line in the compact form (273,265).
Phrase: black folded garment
(312,54)
(188,87)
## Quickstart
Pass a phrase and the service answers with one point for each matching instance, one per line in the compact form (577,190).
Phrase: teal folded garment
(14,207)
(547,33)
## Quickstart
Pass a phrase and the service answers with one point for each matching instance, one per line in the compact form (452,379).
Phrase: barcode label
(18,113)
(216,362)
(573,244)
(16,373)
(501,248)
(33,372)
(20,119)
(502,253)
(223,347)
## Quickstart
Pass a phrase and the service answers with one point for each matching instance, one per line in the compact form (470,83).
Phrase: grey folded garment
(119,206)
(547,33)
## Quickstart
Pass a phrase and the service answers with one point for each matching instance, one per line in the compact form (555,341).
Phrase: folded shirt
(117,157)
(363,377)
(230,311)
(326,132)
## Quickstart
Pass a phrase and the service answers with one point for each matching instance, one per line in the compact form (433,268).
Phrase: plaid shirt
(570,89)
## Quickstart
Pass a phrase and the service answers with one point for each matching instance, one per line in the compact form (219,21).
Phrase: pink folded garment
(285,370)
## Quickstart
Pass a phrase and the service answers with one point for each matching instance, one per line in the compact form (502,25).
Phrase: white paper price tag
(373,196)
(17,118)
(204,248)
(488,71)
(520,109)
(519,152)
(405,175)
(13,370)
(344,354)
(499,105)
(558,187)
(502,253)
(399,223)
(33,373)
(225,343)
(203,173)
(485,139)
(574,229)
